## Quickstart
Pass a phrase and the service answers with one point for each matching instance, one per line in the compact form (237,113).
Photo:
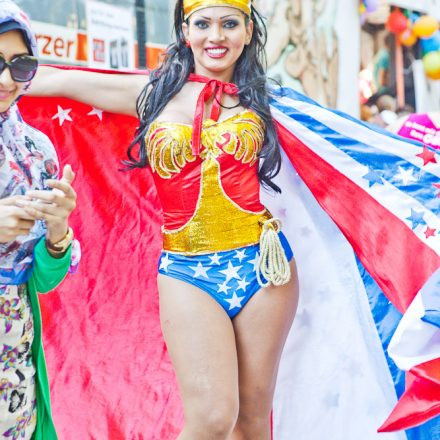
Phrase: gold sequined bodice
(211,201)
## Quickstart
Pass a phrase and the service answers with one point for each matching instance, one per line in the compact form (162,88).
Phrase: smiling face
(11,45)
(217,36)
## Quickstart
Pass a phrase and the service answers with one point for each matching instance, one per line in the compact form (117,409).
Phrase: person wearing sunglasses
(22,68)
(36,242)
(17,68)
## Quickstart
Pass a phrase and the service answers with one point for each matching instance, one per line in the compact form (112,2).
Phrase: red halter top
(207,176)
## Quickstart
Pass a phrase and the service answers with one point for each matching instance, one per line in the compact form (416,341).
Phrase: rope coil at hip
(272,264)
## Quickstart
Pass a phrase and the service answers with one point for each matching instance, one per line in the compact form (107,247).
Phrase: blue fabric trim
(385,165)
(428,431)
(430,293)
(17,275)
(432,317)
(386,318)
(282,92)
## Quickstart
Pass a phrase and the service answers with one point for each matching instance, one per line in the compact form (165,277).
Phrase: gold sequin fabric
(221,185)
(191,6)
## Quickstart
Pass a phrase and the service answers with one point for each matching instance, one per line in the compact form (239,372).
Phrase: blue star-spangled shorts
(229,277)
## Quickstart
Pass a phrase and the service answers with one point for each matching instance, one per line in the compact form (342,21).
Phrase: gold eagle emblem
(169,143)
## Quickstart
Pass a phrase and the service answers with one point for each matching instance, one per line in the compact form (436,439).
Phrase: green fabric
(47,273)
(381,62)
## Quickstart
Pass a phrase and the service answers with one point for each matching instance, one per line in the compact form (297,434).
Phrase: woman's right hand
(14,220)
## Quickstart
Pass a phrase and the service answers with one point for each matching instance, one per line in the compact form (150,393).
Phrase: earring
(188,43)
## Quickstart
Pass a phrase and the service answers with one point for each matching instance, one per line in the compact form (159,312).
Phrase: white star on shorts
(200,270)
(165,262)
(242,284)
(223,288)
(231,272)
(255,261)
(235,301)
(240,254)
(215,259)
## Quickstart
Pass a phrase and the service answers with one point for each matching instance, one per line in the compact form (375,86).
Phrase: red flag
(108,367)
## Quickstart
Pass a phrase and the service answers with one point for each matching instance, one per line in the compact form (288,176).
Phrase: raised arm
(115,93)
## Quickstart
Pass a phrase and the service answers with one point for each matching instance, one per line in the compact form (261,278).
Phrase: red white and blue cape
(361,210)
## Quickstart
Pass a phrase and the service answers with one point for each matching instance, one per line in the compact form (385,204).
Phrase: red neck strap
(213,88)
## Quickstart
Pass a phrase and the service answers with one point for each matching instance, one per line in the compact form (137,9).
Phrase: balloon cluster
(409,28)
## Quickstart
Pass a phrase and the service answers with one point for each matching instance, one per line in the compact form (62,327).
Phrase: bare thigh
(261,329)
(201,343)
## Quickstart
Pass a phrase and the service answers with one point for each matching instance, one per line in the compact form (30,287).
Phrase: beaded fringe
(272,264)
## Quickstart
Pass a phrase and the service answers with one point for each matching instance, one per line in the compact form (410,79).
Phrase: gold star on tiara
(190,6)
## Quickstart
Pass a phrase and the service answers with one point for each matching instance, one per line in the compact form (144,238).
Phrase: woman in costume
(35,240)
(227,278)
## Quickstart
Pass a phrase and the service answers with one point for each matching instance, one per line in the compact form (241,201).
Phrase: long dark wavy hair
(249,75)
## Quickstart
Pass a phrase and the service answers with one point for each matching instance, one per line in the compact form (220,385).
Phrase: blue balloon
(431,44)
(414,16)
(371,5)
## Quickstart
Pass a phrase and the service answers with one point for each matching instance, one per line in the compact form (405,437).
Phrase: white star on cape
(406,176)
(215,259)
(240,254)
(165,262)
(223,288)
(97,112)
(62,115)
(235,301)
(200,270)
(231,272)
(242,284)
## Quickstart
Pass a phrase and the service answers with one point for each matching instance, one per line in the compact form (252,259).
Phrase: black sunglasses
(23,67)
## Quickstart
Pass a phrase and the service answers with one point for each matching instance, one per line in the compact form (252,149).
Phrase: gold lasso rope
(272,264)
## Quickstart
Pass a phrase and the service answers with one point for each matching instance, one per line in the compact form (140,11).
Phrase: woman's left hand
(53,206)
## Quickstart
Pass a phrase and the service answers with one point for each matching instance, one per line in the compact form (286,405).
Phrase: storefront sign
(110,36)
(59,44)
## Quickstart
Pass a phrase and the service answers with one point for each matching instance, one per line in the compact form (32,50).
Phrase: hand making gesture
(53,206)
(14,220)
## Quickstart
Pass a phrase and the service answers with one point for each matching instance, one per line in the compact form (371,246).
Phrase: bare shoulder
(190,92)
(182,106)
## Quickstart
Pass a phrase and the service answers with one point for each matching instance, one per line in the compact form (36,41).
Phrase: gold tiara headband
(190,6)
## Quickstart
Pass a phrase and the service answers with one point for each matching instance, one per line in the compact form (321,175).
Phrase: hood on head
(13,18)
